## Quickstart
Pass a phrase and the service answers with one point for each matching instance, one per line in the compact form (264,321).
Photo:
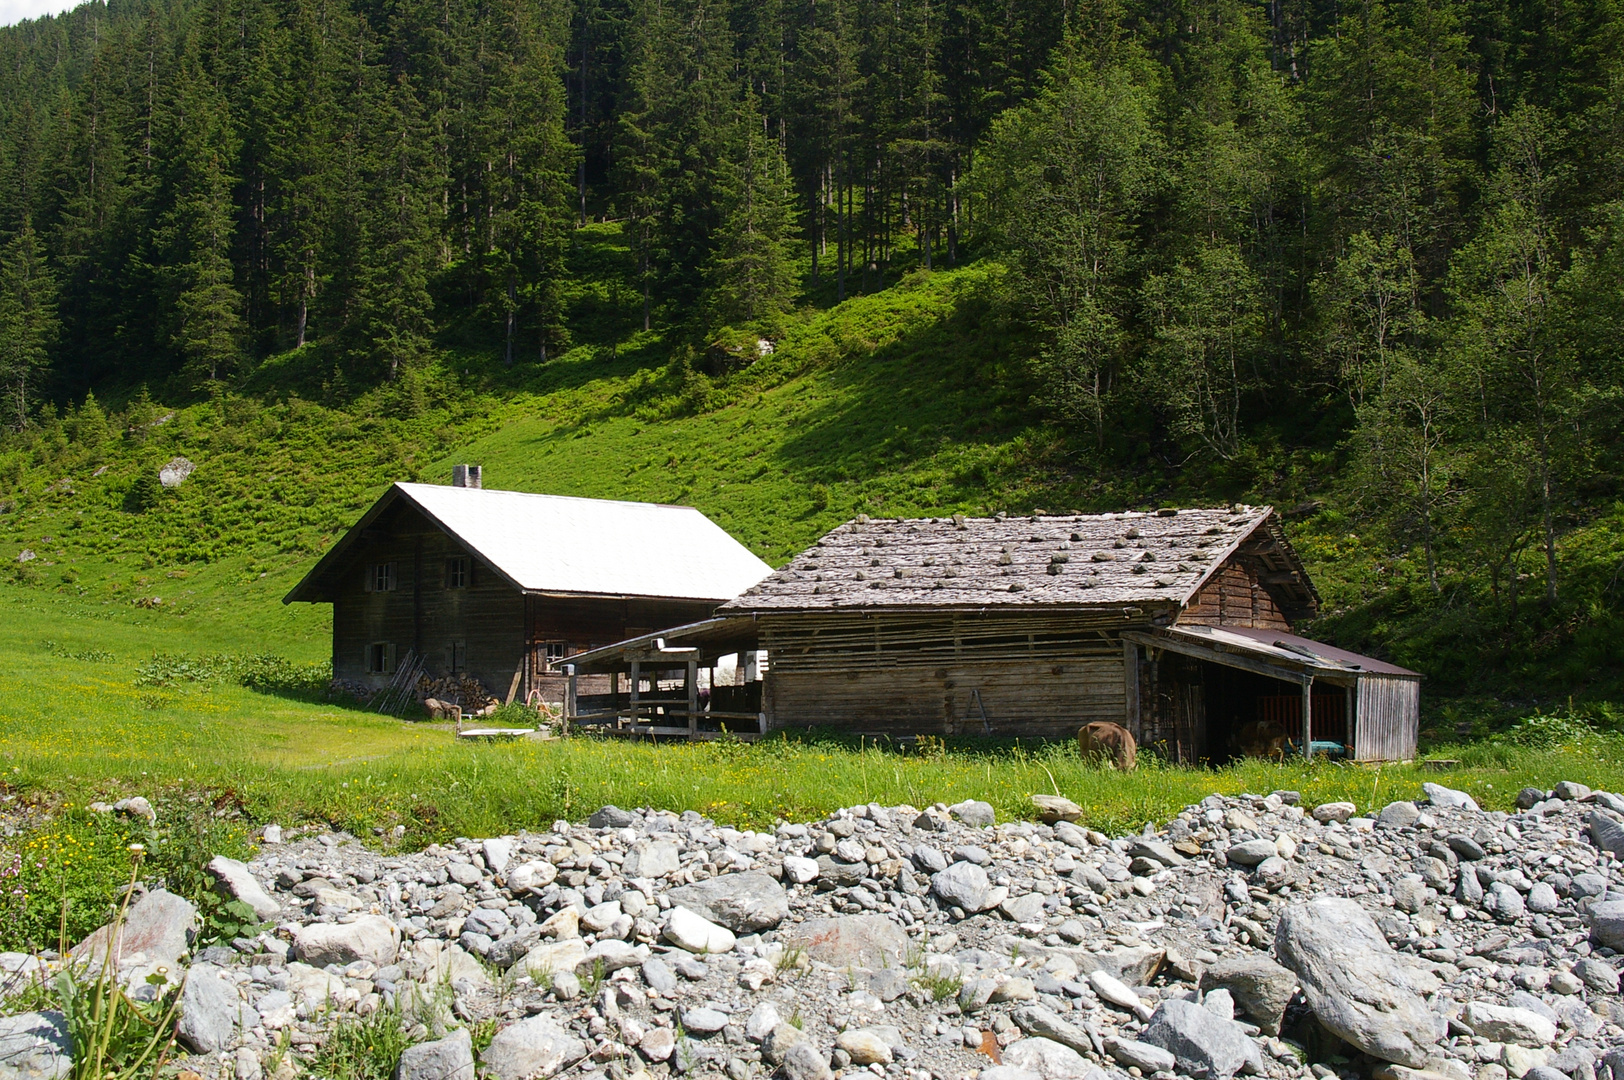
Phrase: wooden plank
(1308,717)
(1130,687)
(693,697)
(1216,656)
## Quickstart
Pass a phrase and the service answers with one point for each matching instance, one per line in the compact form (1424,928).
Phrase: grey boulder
(744,903)
(212,1015)
(973,813)
(852,941)
(1261,987)
(651,859)
(1203,1043)
(1354,983)
(158,930)
(962,885)
(1607,832)
(1043,1023)
(450,1058)
(35,1046)
(1141,1055)
(235,880)
(1252,852)
(613,817)
(1449,798)
(531,1048)
(803,1061)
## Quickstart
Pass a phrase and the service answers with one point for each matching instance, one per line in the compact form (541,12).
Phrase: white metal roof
(563,545)
(559,544)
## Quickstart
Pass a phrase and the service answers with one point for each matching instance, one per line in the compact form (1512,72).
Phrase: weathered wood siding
(1039,674)
(1234,596)
(421,615)
(1389,718)
(499,631)
(1173,708)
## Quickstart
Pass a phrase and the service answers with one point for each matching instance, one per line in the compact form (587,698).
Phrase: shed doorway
(1251,715)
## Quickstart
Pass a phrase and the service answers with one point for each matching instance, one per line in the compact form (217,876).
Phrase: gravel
(1250,934)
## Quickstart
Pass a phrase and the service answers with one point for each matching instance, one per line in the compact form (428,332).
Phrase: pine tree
(208,307)
(393,323)
(751,280)
(28,321)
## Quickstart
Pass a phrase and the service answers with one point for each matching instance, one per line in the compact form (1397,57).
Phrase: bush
(265,672)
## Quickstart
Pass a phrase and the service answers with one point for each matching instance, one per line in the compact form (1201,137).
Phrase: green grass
(909,401)
(77,729)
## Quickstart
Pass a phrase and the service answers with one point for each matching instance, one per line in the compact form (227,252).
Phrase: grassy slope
(909,401)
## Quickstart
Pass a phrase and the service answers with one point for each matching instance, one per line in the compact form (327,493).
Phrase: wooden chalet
(1177,624)
(503,586)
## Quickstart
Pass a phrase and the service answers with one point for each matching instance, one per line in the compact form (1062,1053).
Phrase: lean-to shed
(503,586)
(1176,623)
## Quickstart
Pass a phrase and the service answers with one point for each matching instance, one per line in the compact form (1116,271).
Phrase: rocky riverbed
(1252,935)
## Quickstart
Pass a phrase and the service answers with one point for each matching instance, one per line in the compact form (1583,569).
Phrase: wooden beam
(569,696)
(637,681)
(1130,687)
(693,697)
(1216,656)
(1308,717)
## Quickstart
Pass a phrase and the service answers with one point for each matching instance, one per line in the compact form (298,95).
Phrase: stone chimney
(466,476)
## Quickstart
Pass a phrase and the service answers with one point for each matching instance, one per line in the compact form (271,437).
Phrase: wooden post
(569,698)
(637,680)
(1351,711)
(693,697)
(1308,716)
(1130,688)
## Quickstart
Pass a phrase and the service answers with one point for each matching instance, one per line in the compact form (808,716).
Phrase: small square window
(381,577)
(456,573)
(552,654)
(381,658)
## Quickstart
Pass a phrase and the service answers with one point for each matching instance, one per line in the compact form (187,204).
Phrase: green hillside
(907,401)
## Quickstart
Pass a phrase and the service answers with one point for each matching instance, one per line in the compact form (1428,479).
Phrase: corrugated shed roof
(1290,648)
(560,544)
(1077,560)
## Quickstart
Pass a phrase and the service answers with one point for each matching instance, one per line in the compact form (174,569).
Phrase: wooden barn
(503,586)
(1177,624)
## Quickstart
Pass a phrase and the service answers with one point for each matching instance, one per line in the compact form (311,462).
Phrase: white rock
(238,883)
(763,1018)
(370,937)
(800,870)
(531,1048)
(1334,811)
(1116,992)
(695,933)
(497,852)
(1503,1023)
(531,876)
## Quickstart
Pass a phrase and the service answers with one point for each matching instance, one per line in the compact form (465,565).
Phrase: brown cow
(1108,740)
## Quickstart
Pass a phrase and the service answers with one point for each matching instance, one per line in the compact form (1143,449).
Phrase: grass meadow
(76,725)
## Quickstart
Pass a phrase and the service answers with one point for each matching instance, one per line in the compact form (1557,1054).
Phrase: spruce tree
(28,321)
(751,280)
(208,307)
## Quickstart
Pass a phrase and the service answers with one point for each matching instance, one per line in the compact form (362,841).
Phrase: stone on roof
(1085,560)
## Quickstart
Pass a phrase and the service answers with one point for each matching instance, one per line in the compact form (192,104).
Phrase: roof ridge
(405,484)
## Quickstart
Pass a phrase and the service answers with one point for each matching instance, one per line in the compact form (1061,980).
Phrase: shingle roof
(1082,561)
(559,544)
